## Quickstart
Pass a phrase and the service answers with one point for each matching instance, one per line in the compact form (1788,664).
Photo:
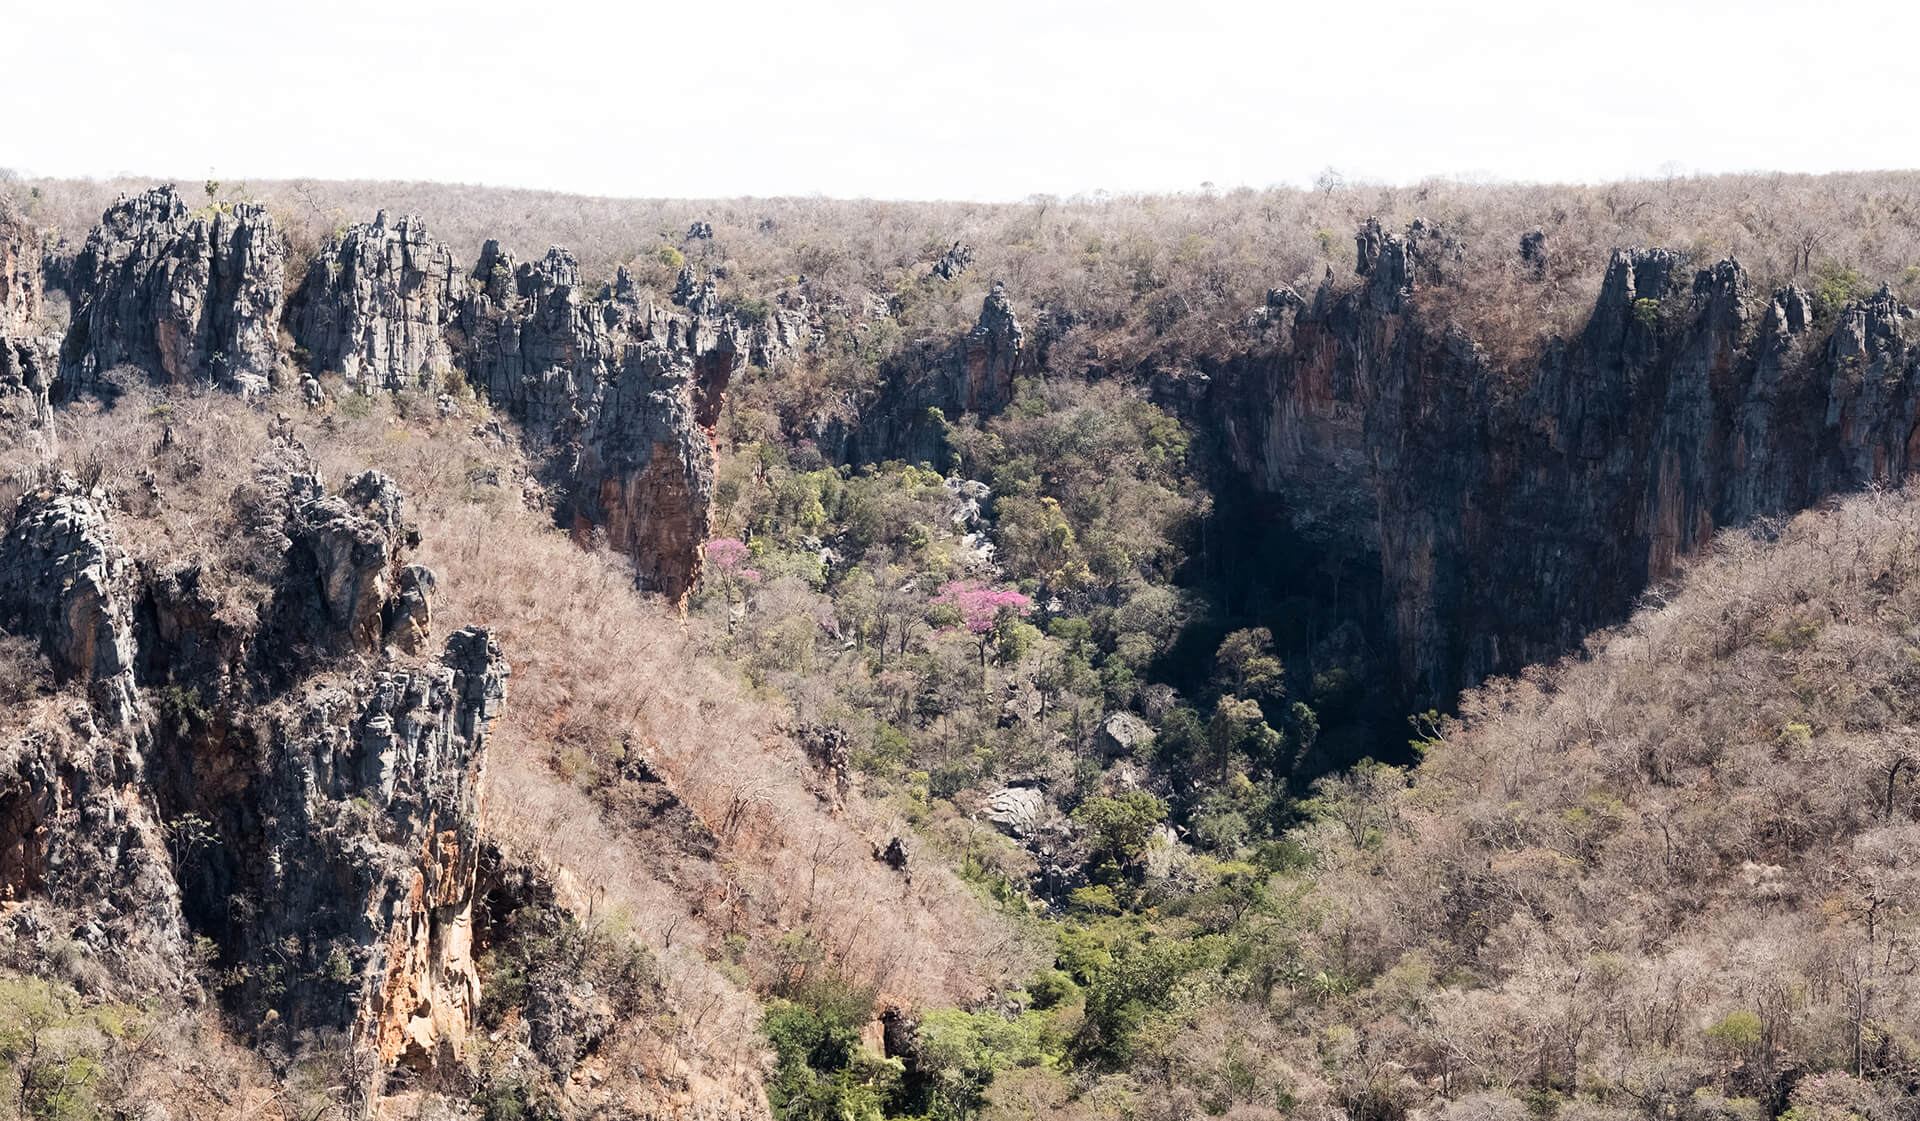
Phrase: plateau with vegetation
(1433,653)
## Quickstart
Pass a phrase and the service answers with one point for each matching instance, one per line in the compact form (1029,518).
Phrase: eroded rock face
(65,582)
(623,397)
(376,304)
(184,296)
(953,262)
(975,375)
(348,588)
(1486,518)
(28,360)
(20,273)
(419,754)
(26,380)
(76,828)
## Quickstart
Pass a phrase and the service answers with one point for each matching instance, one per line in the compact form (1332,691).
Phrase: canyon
(294,792)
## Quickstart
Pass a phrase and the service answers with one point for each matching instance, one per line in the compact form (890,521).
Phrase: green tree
(1239,727)
(1245,666)
(1122,824)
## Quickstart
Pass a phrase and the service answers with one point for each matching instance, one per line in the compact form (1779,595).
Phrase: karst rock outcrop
(28,357)
(66,583)
(622,397)
(974,374)
(348,588)
(184,296)
(376,304)
(1485,516)
(319,830)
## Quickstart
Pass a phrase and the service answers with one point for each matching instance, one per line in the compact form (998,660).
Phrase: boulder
(1123,733)
(1016,810)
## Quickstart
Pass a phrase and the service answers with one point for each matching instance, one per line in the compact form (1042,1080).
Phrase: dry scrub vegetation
(763,886)
(1145,279)
(1675,876)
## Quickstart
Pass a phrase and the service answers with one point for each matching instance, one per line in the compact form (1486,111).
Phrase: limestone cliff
(375,306)
(319,829)
(183,296)
(622,398)
(66,583)
(21,282)
(973,374)
(28,359)
(1481,516)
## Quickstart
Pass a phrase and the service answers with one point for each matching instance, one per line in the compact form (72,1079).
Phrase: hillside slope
(946,646)
(1674,869)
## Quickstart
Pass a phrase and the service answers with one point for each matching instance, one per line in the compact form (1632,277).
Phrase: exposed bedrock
(973,374)
(1499,515)
(320,829)
(375,306)
(622,396)
(29,357)
(184,296)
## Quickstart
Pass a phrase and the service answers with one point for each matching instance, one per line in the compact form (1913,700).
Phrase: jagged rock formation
(1484,518)
(418,750)
(83,857)
(974,375)
(348,588)
(20,273)
(323,834)
(83,854)
(28,360)
(781,329)
(181,295)
(65,582)
(953,262)
(624,397)
(26,366)
(376,304)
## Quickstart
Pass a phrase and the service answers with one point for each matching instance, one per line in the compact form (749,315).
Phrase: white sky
(979,99)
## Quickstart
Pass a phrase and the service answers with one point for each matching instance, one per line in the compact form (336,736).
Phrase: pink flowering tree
(726,563)
(980,608)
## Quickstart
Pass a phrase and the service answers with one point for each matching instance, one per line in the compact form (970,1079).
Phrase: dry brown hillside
(1672,876)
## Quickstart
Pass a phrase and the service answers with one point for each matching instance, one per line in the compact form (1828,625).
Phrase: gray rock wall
(375,306)
(1496,516)
(187,297)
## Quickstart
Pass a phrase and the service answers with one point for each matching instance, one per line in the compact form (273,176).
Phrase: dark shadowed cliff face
(1493,517)
(180,295)
(932,381)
